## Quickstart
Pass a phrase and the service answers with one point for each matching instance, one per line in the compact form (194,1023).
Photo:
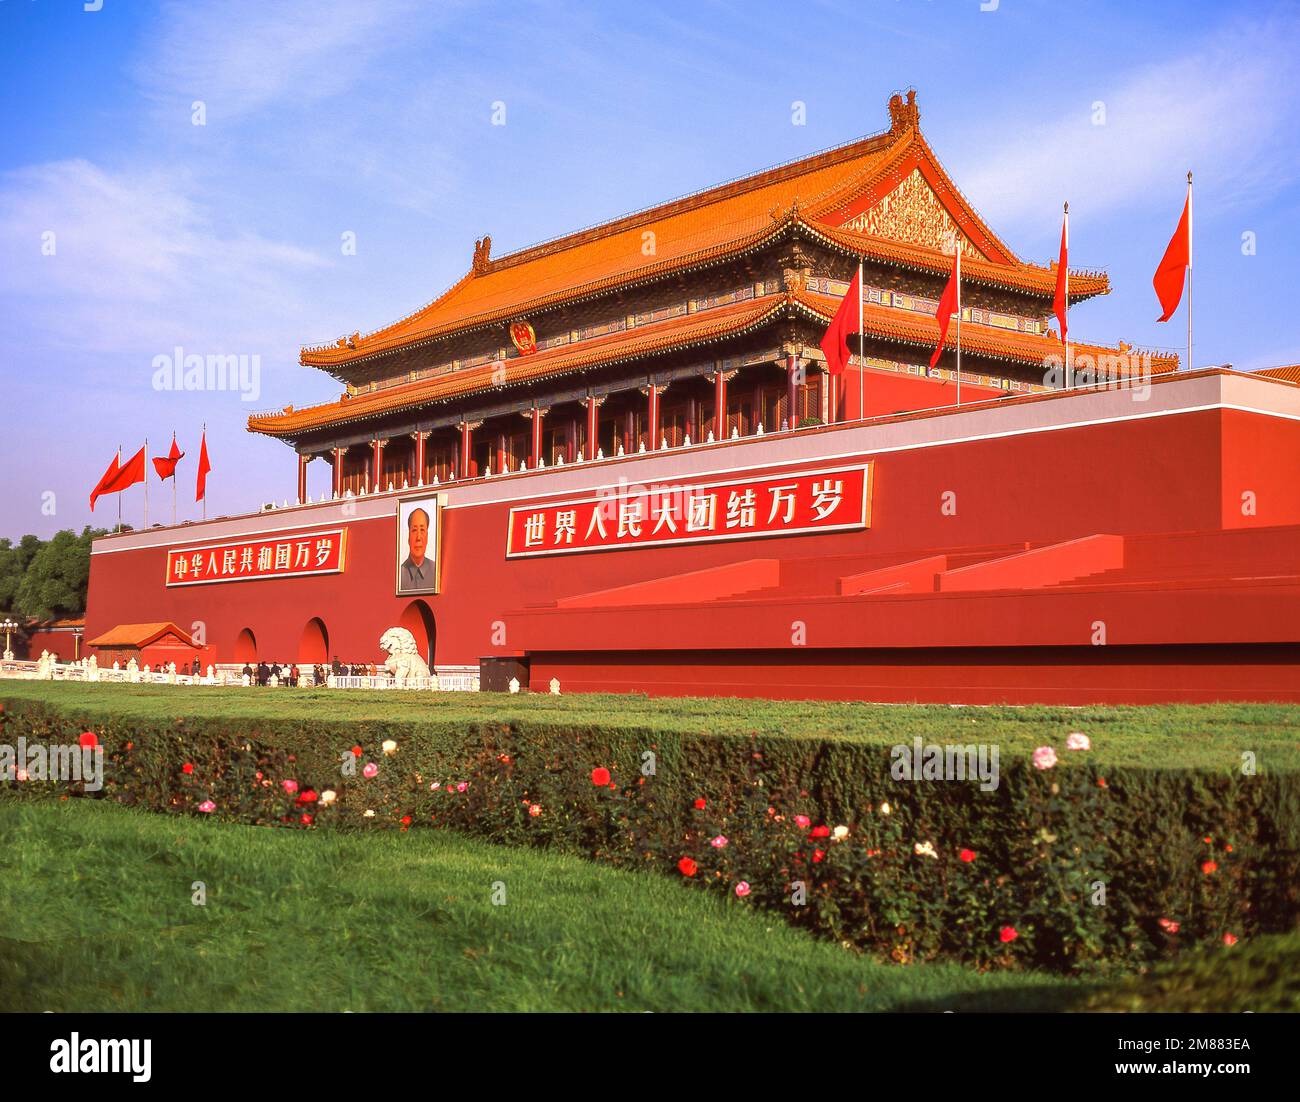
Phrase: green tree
(14,561)
(56,579)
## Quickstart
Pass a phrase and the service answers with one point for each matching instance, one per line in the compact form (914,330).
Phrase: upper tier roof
(832,194)
(1289,374)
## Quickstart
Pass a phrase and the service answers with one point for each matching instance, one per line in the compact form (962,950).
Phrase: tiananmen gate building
(617,460)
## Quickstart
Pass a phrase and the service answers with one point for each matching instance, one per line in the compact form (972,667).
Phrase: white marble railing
(448,679)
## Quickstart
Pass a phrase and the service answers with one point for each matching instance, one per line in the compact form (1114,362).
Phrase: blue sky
(324,118)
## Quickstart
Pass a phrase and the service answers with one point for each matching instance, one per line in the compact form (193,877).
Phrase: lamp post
(9,628)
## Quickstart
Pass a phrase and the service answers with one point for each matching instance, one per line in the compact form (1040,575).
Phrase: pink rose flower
(1078,741)
(370,769)
(1044,757)
(462,786)
(207,806)
(802,821)
(742,889)
(290,786)
(718,842)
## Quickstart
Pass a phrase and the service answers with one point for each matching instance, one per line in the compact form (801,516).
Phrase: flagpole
(957,242)
(146,482)
(862,359)
(205,485)
(1069,375)
(1189,271)
(119,494)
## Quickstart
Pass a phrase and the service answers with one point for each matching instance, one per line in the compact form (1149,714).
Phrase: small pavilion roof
(140,635)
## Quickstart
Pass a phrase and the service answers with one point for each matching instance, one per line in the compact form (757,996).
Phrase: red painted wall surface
(1178,472)
(63,644)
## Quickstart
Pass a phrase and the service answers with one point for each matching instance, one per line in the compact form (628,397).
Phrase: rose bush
(1060,866)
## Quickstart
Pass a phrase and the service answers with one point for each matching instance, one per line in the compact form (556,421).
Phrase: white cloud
(137,261)
(242,56)
(1223,112)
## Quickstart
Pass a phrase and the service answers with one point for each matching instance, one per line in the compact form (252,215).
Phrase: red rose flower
(821,832)
(306,819)
(356,751)
(1229,939)
(967,855)
(687,867)
(700,805)
(818,855)
(308,797)
(600,776)
(88,740)
(1008,933)
(406,820)
(187,768)
(1208,867)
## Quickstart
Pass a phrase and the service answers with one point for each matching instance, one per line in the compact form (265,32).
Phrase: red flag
(165,465)
(201,489)
(101,487)
(1168,280)
(834,344)
(1059,303)
(947,306)
(126,476)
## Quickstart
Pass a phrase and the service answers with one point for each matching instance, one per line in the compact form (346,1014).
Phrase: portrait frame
(431,506)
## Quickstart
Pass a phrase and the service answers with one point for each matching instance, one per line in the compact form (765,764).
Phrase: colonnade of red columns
(652,391)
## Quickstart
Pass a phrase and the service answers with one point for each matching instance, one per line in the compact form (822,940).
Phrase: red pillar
(719,405)
(832,397)
(792,392)
(593,404)
(420,437)
(302,479)
(652,416)
(338,472)
(535,444)
(378,465)
(501,453)
(466,448)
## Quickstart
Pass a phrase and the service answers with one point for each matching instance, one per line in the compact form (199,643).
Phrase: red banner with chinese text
(803,503)
(249,560)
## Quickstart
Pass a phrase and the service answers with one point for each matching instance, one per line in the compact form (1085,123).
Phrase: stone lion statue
(404,661)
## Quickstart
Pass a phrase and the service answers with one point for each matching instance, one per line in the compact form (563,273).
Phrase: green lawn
(1209,736)
(96,915)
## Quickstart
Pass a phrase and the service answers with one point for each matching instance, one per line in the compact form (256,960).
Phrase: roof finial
(903,116)
(482,257)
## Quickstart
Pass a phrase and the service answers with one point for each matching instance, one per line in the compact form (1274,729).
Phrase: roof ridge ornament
(482,255)
(903,116)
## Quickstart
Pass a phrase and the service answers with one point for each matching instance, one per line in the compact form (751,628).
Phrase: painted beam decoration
(251,560)
(801,503)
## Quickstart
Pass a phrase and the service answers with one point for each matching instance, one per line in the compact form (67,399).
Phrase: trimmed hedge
(1068,868)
